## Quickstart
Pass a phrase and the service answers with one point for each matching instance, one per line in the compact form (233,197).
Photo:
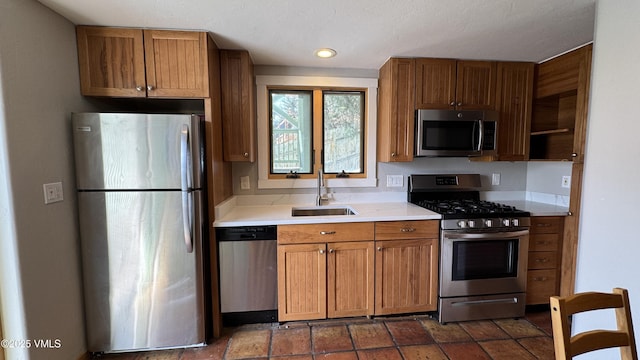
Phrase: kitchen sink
(322,211)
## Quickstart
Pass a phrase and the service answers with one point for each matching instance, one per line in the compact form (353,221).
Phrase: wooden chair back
(567,346)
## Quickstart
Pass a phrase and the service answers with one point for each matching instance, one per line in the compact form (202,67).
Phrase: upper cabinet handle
(150,87)
(408,229)
(139,88)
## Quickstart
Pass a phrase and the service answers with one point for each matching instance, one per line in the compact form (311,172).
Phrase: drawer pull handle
(408,229)
(379,248)
(543,278)
(327,232)
(543,242)
(543,260)
(543,225)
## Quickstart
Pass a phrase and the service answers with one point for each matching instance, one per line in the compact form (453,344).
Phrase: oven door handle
(485,235)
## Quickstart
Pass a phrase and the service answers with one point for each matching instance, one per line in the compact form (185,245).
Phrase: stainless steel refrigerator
(140,198)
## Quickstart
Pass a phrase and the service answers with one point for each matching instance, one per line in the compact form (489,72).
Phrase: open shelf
(552,127)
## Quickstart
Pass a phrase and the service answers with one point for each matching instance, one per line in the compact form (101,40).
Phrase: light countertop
(538,208)
(276,210)
(234,213)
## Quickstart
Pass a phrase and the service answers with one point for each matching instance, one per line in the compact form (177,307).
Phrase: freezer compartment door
(136,151)
(143,290)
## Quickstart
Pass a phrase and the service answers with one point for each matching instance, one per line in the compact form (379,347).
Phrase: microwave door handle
(480,135)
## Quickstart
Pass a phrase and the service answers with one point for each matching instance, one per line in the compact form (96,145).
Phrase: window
(316,129)
(306,124)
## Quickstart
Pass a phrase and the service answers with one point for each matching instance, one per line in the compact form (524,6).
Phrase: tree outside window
(316,129)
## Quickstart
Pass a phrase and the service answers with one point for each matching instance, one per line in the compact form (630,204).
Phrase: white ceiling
(365,33)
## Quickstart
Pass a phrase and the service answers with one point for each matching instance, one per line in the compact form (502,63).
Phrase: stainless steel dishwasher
(248,274)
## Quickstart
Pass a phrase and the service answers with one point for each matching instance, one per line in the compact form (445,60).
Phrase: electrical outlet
(53,192)
(394,181)
(244,183)
(495,179)
(566,181)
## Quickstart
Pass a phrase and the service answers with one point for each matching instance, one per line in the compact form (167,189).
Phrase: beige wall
(40,281)
(609,242)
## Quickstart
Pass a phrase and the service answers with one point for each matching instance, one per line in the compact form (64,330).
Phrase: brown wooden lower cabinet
(406,276)
(351,274)
(406,266)
(545,254)
(350,279)
(302,282)
(327,279)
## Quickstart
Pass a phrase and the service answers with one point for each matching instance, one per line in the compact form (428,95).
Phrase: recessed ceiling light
(325,53)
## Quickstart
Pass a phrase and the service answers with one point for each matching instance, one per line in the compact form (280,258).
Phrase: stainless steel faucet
(320,198)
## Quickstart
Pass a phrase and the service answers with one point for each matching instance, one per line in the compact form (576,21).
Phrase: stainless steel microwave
(455,133)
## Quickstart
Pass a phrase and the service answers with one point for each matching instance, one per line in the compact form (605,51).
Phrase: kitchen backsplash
(539,180)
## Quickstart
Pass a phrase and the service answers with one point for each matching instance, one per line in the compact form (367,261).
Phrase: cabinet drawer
(544,242)
(546,224)
(543,260)
(393,230)
(541,284)
(319,233)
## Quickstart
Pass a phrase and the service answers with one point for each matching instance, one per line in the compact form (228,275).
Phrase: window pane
(343,131)
(291,131)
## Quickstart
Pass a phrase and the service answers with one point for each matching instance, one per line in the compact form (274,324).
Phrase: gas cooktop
(457,199)
(470,208)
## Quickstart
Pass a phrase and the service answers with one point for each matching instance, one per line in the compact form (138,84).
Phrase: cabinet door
(238,109)
(396,110)
(350,274)
(514,102)
(476,85)
(435,83)
(406,276)
(302,282)
(176,64)
(111,61)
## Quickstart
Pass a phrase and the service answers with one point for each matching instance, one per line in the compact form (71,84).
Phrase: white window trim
(263,81)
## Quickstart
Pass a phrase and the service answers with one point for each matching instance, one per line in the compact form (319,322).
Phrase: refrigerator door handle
(185,180)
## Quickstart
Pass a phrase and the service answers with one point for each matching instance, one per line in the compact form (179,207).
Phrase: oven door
(482,263)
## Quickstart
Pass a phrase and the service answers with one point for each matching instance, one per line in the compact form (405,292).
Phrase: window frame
(264,83)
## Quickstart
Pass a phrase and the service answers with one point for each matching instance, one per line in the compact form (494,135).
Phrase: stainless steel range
(483,248)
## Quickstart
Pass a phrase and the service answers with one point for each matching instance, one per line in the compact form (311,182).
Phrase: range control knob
(515,222)
(506,222)
(488,223)
(472,223)
(462,224)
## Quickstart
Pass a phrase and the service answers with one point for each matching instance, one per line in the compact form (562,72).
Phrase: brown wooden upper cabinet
(119,62)
(514,102)
(396,110)
(558,124)
(455,84)
(238,105)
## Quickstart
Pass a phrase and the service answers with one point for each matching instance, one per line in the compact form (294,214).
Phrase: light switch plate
(53,192)
(394,181)
(566,181)
(495,179)
(244,183)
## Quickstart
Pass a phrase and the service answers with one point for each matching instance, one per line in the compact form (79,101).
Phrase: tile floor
(391,338)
